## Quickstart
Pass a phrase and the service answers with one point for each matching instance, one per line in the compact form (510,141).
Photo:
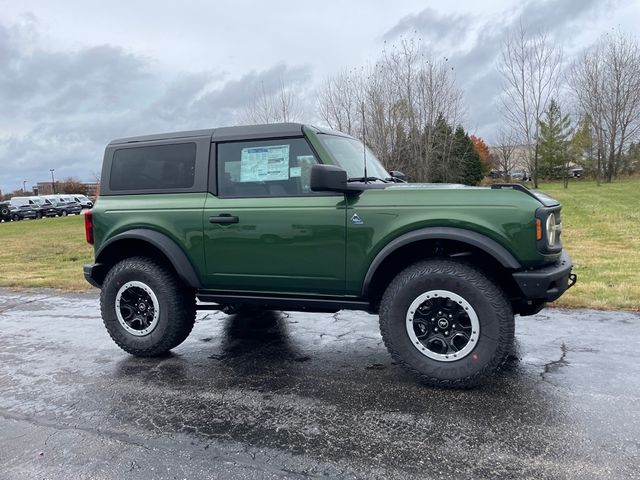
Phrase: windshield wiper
(365,179)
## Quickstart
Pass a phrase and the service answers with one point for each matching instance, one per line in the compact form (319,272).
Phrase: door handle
(224,219)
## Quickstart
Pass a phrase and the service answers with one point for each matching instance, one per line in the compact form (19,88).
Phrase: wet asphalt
(308,395)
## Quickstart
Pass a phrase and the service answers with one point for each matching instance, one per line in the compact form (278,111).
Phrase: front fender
(482,242)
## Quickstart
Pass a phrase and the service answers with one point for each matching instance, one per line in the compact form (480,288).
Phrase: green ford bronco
(294,217)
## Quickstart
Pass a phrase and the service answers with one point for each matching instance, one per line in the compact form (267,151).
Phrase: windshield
(37,201)
(349,154)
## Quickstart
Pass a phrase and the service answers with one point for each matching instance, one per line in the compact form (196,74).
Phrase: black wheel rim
(137,308)
(442,325)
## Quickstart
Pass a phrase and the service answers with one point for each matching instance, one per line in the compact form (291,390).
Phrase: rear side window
(158,167)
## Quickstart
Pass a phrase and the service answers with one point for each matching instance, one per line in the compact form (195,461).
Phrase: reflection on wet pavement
(272,394)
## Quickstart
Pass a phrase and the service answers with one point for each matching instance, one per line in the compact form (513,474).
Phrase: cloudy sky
(75,74)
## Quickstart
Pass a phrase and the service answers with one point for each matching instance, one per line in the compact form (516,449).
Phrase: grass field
(44,253)
(601,230)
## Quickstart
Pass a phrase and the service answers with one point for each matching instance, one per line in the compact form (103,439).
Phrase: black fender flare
(482,242)
(162,242)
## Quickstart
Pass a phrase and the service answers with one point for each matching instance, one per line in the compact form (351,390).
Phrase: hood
(430,186)
(541,197)
(545,199)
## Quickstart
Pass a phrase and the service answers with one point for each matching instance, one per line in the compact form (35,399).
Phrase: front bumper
(94,274)
(547,283)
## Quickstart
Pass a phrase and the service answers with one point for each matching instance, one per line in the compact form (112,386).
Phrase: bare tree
(505,157)
(530,67)
(338,102)
(281,105)
(405,92)
(72,185)
(605,81)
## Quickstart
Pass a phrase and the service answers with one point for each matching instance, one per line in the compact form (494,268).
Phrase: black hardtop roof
(224,133)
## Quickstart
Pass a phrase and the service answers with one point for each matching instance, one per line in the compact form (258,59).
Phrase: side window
(266,168)
(157,167)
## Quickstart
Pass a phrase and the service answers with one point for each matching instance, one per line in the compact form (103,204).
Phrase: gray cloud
(60,108)
(432,25)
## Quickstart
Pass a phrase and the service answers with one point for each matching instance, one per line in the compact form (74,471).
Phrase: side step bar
(216,300)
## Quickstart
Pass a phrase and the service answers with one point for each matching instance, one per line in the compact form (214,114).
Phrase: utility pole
(53,181)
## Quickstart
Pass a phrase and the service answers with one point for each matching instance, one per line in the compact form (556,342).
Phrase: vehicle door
(264,229)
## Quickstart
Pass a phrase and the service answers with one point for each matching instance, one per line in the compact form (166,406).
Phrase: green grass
(601,231)
(44,253)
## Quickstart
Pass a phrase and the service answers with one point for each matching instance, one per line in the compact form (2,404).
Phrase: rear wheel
(447,322)
(16,217)
(64,213)
(145,309)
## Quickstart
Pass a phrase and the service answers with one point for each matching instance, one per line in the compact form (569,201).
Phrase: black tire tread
(494,294)
(182,306)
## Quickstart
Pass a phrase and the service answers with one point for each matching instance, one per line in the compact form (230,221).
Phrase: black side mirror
(328,178)
(398,175)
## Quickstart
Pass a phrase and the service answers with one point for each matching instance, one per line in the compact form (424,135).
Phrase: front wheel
(145,309)
(447,322)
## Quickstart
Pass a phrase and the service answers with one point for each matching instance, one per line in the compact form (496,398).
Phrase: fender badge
(356,220)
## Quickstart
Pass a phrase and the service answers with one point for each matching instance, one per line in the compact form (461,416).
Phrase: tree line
(409,110)
(67,186)
(586,112)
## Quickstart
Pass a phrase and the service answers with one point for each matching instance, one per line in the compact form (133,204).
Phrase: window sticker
(233,169)
(295,172)
(264,164)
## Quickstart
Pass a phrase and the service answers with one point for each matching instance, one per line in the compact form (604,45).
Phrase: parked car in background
(5,211)
(63,206)
(520,175)
(83,200)
(576,172)
(35,203)
(24,211)
(46,207)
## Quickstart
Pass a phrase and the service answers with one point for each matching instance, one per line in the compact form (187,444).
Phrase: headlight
(551,230)
(548,229)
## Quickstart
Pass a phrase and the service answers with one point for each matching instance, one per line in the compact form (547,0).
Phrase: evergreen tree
(555,129)
(470,163)
(443,162)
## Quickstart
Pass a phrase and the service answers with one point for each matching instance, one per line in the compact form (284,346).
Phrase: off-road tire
(5,212)
(177,306)
(489,301)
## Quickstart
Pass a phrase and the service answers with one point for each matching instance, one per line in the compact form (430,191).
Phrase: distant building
(520,154)
(47,188)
